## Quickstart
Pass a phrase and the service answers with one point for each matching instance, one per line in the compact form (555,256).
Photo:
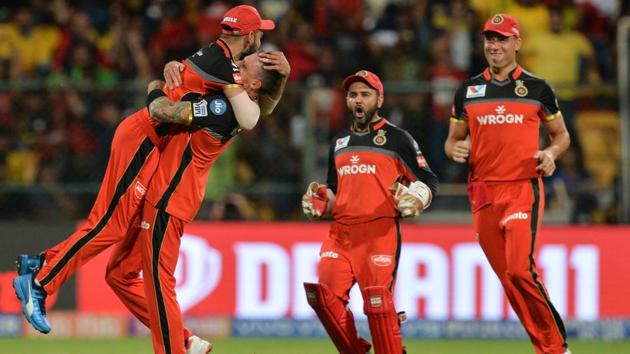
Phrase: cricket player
(173,199)
(501,110)
(134,159)
(376,175)
(178,186)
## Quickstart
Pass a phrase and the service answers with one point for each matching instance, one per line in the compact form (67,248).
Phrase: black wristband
(157,93)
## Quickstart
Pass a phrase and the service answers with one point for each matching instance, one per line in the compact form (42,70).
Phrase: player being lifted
(376,175)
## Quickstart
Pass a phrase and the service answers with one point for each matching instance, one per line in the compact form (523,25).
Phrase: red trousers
(160,239)
(507,217)
(365,253)
(114,219)
(133,160)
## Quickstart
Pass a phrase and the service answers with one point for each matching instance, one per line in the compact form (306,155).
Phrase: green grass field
(290,346)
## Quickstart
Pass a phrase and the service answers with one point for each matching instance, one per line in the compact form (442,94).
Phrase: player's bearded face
(362,102)
(252,45)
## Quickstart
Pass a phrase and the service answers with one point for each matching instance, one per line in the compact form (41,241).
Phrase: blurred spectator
(126,48)
(597,20)
(76,32)
(27,45)
(52,202)
(444,79)
(174,39)
(302,52)
(570,49)
(209,22)
(461,33)
(82,66)
(234,207)
(572,179)
(533,16)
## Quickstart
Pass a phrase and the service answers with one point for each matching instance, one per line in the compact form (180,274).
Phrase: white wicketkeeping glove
(315,200)
(413,199)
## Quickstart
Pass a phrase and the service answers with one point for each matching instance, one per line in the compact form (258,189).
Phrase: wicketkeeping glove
(315,200)
(413,199)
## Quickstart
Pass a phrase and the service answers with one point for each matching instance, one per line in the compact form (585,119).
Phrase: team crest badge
(497,19)
(380,138)
(520,90)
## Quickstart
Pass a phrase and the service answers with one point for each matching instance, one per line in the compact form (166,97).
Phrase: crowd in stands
(70,70)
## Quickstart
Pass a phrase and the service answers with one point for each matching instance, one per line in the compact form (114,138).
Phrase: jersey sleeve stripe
(553,116)
(205,75)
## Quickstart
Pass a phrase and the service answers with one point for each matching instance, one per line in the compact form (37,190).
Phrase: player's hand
(413,199)
(461,150)
(546,163)
(172,75)
(275,61)
(154,85)
(315,200)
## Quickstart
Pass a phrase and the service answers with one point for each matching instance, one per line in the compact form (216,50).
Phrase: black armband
(153,95)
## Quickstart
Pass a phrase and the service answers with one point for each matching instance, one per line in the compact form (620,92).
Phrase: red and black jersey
(179,184)
(207,71)
(363,167)
(503,119)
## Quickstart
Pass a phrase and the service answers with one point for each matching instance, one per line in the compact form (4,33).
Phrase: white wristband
(246,111)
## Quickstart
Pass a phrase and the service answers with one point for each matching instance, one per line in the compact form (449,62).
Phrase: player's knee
(516,275)
(318,295)
(377,300)
(112,279)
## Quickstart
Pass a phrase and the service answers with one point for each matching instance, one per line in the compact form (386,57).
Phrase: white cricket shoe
(196,345)
(567,352)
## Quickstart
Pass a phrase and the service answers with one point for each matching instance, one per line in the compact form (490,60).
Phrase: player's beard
(361,123)
(250,49)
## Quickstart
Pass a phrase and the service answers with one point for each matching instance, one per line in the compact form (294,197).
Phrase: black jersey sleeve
(548,103)
(415,163)
(212,65)
(214,112)
(457,111)
(331,180)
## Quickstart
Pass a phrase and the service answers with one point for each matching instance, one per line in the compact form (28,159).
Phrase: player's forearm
(559,144)
(331,202)
(246,111)
(165,111)
(448,147)
(268,102)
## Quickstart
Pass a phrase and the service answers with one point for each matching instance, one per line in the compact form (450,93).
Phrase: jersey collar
(226,49)
(514,74)
(374,126)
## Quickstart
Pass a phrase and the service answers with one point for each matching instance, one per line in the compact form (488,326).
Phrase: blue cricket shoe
(27,264)
(33,299)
